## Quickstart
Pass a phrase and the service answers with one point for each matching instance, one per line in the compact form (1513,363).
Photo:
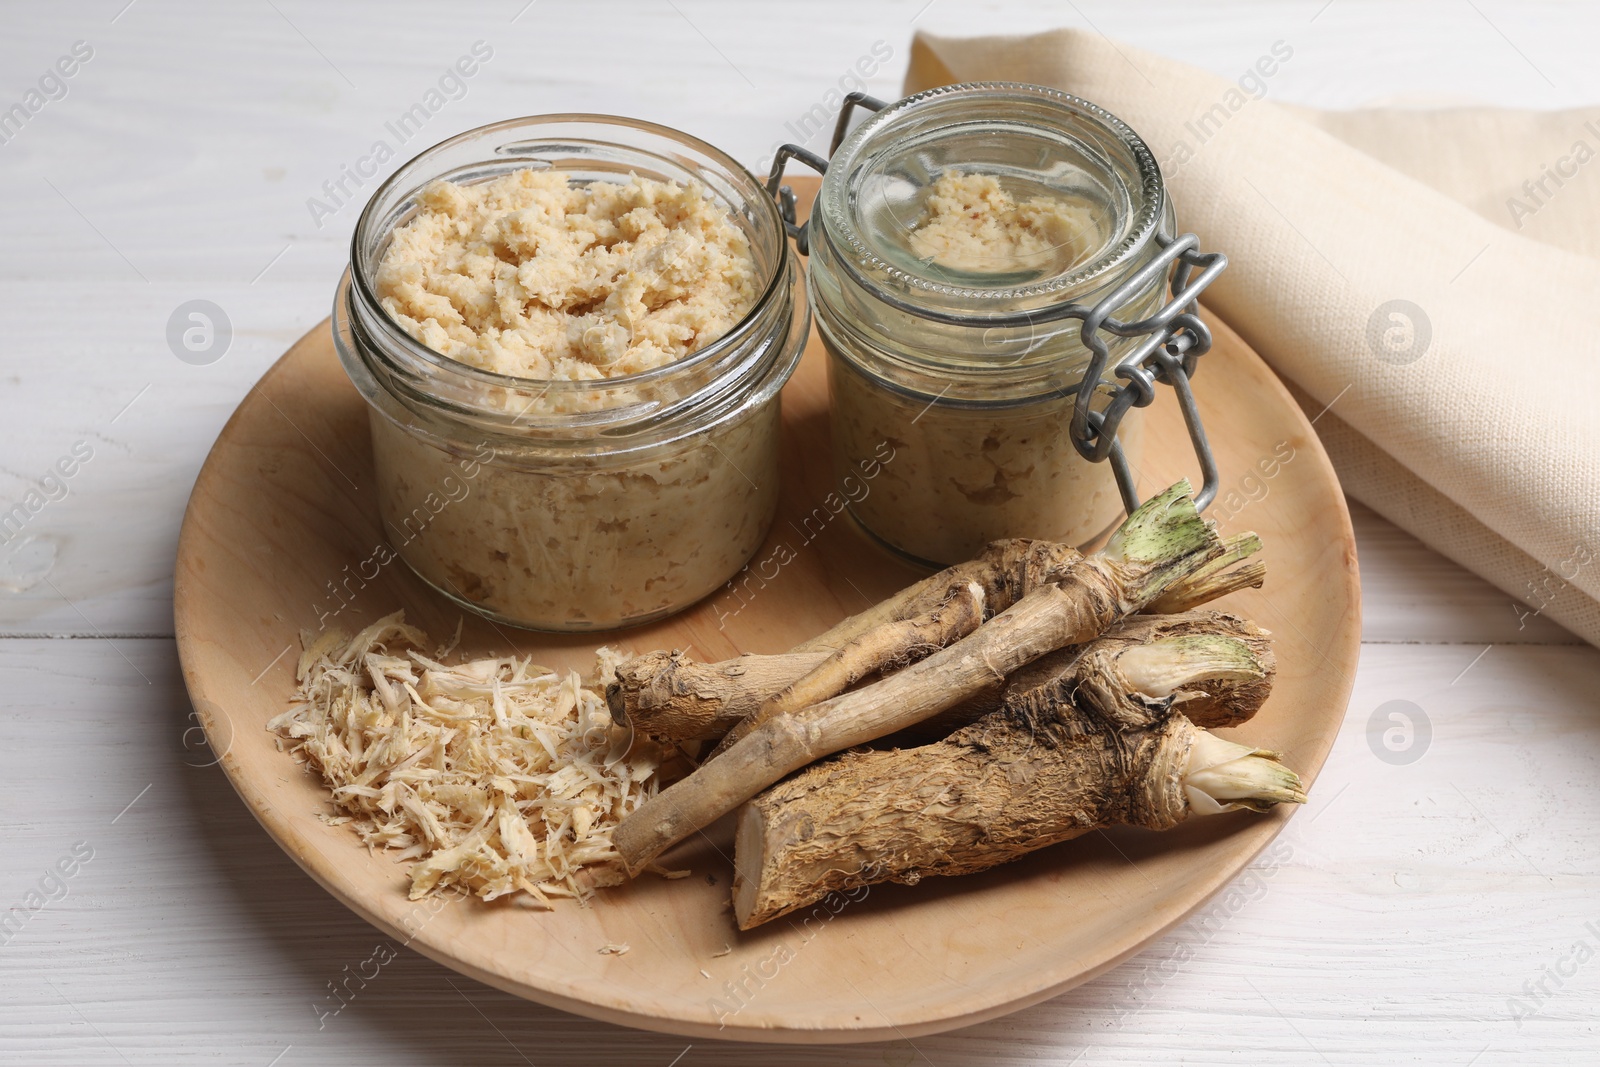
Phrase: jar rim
(372,217)
(868,269)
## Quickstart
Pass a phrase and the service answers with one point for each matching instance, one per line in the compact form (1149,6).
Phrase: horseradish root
(669,697)
(1050,764)
(1218,699)
(883,648)
(1006,570)
(1215,580)
(1163,541)
(1193,642)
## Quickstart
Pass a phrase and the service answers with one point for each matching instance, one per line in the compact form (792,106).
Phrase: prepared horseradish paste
(971,223)
(963,476)
(535,276)
(584,545)
(616,463)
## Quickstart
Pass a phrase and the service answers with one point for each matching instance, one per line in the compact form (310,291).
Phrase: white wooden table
(1443,910)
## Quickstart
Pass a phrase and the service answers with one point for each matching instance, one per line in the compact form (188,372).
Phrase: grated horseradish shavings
(495,775)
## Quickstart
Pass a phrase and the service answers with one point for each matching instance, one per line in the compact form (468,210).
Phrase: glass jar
(978,367)
(575,505)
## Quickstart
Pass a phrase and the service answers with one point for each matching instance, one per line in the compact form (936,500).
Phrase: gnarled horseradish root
(1007,570)
(1215,668)
(1048,765)
(1162,541)
(670,697)
(885,648)
(1212,702)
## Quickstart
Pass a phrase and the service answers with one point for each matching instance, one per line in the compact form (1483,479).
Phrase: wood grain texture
(284,505)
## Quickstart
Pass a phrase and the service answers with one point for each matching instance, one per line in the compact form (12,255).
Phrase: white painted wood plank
(1395,919)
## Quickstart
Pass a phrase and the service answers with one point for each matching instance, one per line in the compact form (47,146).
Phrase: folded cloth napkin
(1428,278)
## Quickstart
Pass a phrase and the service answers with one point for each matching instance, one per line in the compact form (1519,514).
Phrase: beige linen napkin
(1474,422)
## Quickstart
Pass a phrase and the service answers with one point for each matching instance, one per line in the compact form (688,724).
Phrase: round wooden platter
(283,512)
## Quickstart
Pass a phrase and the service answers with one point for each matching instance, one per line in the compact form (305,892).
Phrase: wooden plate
(283,512)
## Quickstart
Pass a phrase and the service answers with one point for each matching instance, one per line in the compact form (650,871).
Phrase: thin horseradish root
(1237,672)
(672,698)
(1006,570)
(668,696)
(1163,541)
(1104,746)
(881,649)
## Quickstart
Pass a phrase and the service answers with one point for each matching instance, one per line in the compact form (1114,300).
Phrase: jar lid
(990,198)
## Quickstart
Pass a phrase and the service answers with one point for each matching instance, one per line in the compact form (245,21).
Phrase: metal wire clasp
(1171,341)
(785,195)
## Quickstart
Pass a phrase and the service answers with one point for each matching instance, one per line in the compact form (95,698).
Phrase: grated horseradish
(534,276)
(493,775)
